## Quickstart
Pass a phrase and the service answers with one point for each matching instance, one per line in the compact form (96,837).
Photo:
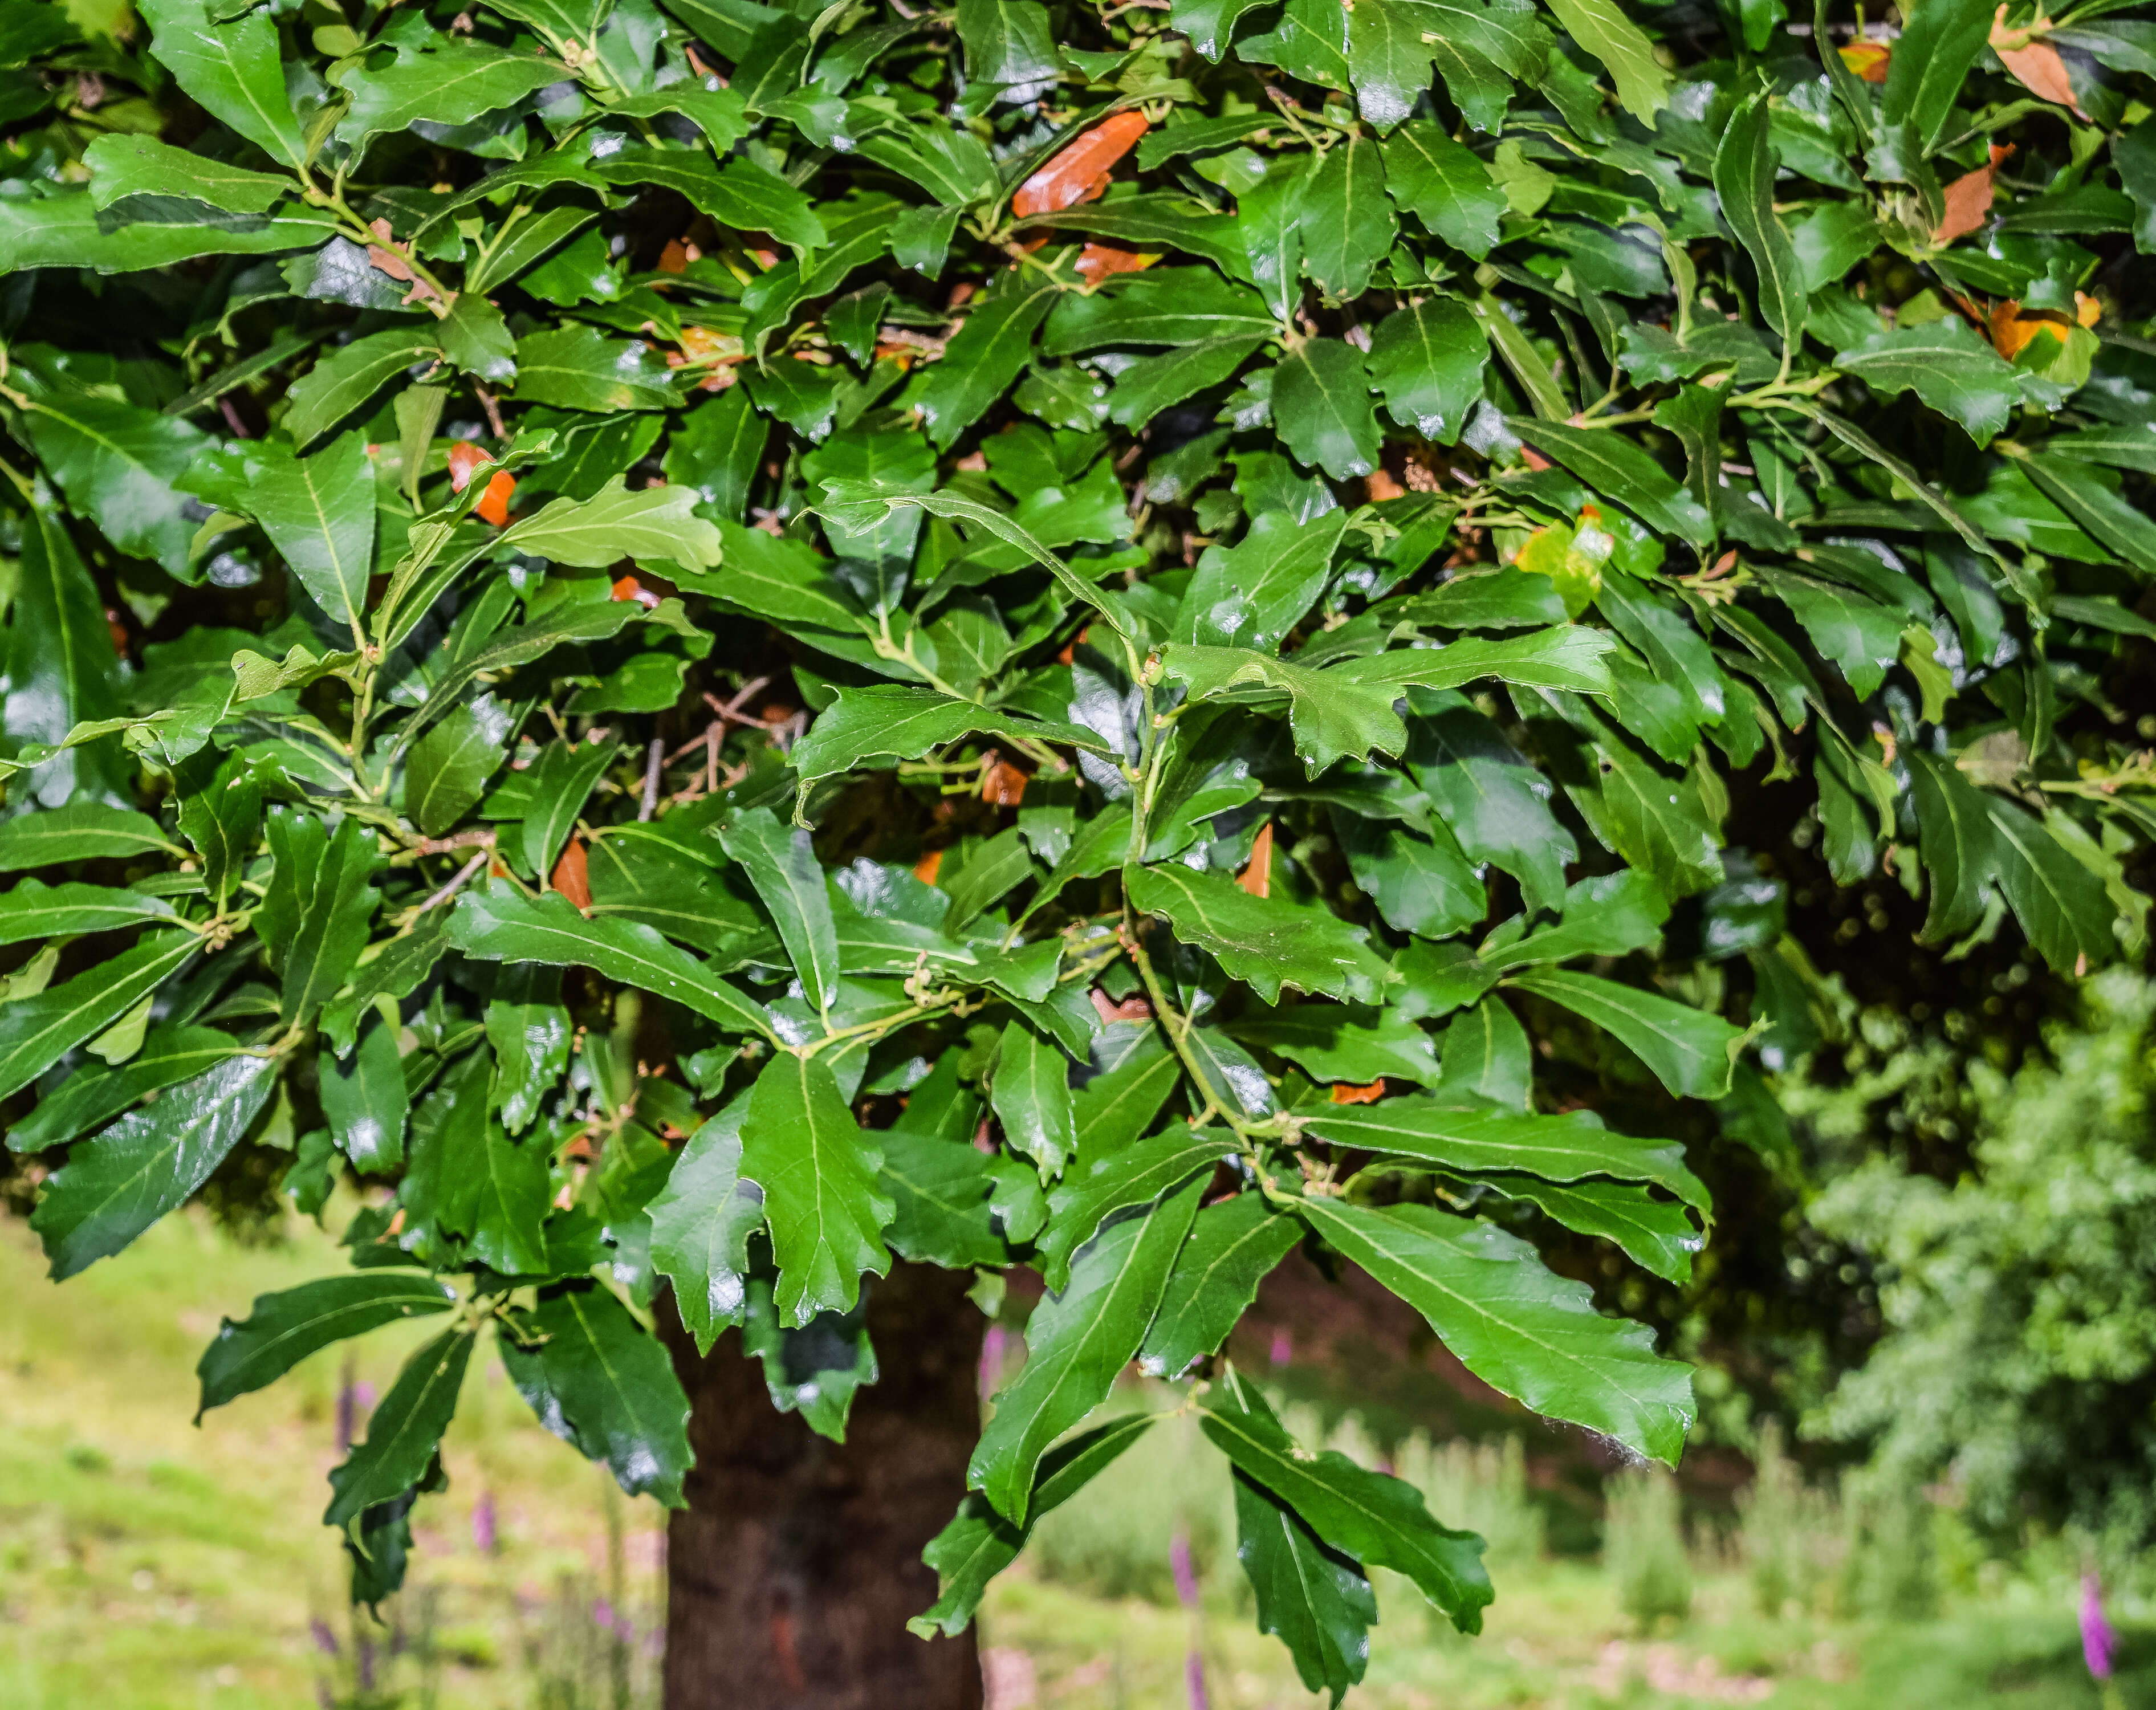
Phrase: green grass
(148,1564)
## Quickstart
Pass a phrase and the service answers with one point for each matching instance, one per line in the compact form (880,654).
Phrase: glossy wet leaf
(282,1329)
(1076,1342)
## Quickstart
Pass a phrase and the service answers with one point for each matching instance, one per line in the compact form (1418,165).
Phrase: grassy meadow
(149,1564)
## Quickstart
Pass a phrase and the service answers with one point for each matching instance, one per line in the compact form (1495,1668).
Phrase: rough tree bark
(793,1570)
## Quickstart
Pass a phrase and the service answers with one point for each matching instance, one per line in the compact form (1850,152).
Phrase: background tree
(759,663)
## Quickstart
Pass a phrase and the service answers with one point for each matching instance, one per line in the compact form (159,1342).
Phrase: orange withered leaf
(1097,261)
(571,875)
(493,504)
(2034,63)
(1068,178)
(1869,60)
(1343,1093)
(1257,877)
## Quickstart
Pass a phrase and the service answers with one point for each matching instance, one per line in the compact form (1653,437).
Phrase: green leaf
(365,1099)
(1152,384)
(1251,594)
(1315,1600)
(714,455)
(1111,1175)
(1378,1520)
(282,1329)
(1619,470)
(1568,657)
(221,819)
(448,769)
(979,1543)
(117,1184)
(1496,803)
(1076,1344)
(60,673)
(35,1031)
(1421,884)
(476,339)
(90,1098)
(1658,1234)
(67,230)
(453,83)
(981,360)
(232,70)
(1321,406)
(1656,823)
(1601,27)
(1010,46)
(1946,365)
(599,1381)
(493,1191)
(701,1222)
(887,719)
(1691,1052)
(1959,844)
(80,831)
(319,513)
(116,463)
(780,862)
(1033,1097)
(315,914)
(1426,362)
(802,1146)
(1444,184)
(942,1189)
(740,194)
(395,972)
(2092,498)
(1939,45)
(1972,839)
(34,910)
(1209,23)
(1234,1244)
(1343,1042)
(1389,62)
(1861,637)
(1265,942)
(1333,717)
(1522,1329)
(344,380)
(498,926)
(561,782)
(576,368)
(403,1431)
(1153,223)
(1347,223)
(1744,163)
(1476,1141)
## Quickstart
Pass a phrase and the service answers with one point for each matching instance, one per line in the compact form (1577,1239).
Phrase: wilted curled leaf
(1968,200)
(2034,62)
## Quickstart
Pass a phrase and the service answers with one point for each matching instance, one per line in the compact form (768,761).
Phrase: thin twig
(654,762)
(493,412)
(465,874)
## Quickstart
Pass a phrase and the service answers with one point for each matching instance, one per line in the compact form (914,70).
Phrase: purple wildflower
(1185,1570)
(1186,1591)
(2099,1643)
(325,1639)
(992,1359)
(1283,1349)
(482,1535)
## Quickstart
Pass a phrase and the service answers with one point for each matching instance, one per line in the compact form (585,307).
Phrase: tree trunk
(793,1570)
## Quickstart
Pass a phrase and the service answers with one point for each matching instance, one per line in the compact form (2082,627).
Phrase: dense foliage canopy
(2017,1299)
(709,642)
